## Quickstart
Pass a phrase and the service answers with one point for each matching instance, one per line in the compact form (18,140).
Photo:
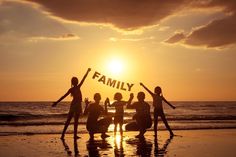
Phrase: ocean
(40,118)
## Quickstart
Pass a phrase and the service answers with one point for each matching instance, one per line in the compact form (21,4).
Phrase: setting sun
(115,66)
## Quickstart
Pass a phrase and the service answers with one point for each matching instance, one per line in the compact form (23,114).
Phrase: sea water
(41,118)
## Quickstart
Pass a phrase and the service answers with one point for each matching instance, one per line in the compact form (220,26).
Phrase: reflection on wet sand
(98,147)
(118,146)
(144,148)
(161,151)
(67,148)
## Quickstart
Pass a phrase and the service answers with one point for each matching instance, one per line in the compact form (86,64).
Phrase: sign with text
(112,82)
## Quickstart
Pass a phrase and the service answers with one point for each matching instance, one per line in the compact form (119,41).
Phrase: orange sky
(187,48)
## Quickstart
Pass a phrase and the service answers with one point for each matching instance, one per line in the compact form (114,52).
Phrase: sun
(115,66)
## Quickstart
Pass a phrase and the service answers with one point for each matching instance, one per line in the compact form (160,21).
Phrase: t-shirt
(142,108)
(94,110)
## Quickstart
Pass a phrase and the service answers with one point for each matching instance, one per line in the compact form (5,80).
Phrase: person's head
(158,90)
(118,96)
(97,97)
(74,81)
(141,96)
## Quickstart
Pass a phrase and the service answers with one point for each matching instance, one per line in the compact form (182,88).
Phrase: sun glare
(115,66)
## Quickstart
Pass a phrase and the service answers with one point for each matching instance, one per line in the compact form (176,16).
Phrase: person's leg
(115,128)
(155,121)
(91,134)
(163,117)
(69,117)
(121,129)
(76,121)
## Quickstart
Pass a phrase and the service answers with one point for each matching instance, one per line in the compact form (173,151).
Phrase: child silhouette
(119,110)
(158,107)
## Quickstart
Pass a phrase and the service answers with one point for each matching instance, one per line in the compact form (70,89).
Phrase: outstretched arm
(168,103)
(86,74)
(55,103)
(149,91)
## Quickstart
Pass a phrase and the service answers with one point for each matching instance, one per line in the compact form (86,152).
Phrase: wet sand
(204,143)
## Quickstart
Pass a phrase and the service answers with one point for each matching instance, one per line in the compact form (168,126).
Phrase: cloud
(127,14)
(20,20)
(135,14)
(217,34)
(176,38)
(59,38)
(113,39)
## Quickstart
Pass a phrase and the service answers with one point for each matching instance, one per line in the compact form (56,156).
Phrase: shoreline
(110,132)
(206,143)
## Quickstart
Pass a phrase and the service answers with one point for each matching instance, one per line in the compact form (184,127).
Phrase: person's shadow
(161,151)
(67,148)
(94,146)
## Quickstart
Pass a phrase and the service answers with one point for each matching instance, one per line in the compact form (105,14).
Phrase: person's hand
(141,84)
(107,100)
(89,69)
(174,107)
(54,104)
(131,95)
(86,100)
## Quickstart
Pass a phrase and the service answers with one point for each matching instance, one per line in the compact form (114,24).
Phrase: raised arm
(87,102)
(105,104)
(168,103)
(129,105)
(149,91)
(86,74)
(55,103)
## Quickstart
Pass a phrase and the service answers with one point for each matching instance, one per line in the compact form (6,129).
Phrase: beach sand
(187,143)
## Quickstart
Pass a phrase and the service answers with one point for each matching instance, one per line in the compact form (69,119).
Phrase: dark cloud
(176,38)
(218,33)
(124,14)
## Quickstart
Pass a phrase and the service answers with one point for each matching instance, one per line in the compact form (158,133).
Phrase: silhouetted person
(75,107)
(158,107)
(94,110)
(142,116)
(119,110)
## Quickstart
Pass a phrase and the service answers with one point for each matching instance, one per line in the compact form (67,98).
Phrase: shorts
(157,112)
(118,119)
(75,108)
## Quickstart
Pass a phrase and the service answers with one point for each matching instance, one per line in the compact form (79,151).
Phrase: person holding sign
(75,107)
(94,110)
(119,110)
(158,107)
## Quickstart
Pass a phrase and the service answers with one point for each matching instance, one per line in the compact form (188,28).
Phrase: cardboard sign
(112,82)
